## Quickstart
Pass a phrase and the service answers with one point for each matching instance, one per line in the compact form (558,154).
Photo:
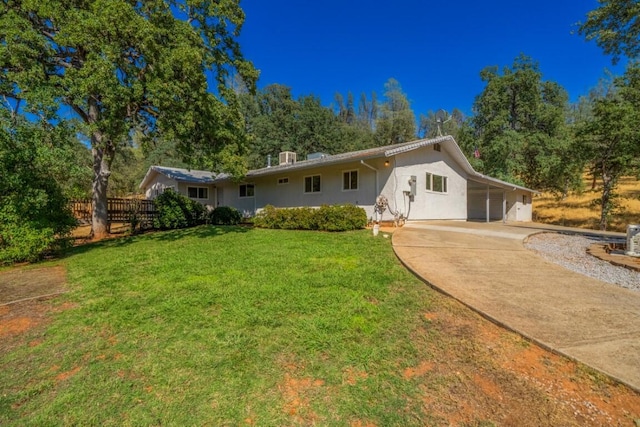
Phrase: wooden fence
(118,210)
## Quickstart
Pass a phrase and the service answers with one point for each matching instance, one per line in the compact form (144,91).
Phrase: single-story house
(421,180)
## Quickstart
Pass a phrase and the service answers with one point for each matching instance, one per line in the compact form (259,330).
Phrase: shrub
(173,210)
(225,215)
(341,218)
(326,218)
(35,216)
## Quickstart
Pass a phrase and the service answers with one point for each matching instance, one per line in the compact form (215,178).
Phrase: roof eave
(147,177)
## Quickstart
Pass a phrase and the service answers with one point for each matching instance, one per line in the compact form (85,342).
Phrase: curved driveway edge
(486,267)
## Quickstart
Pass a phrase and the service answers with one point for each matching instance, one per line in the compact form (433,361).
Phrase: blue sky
(434,49)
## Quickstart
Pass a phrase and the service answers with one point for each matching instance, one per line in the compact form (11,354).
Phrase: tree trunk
(605,199)
(103,152)
(101,170)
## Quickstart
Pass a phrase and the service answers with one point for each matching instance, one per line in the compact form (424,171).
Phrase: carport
(489,199)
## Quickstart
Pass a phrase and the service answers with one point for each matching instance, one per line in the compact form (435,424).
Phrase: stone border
(599,251)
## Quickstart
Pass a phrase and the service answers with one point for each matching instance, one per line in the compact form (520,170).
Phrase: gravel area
(571,252)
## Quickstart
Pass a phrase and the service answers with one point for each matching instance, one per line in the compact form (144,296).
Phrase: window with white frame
(350,180)
(198,192)
(247,190)
(283,180)
(312,184)
(436,183)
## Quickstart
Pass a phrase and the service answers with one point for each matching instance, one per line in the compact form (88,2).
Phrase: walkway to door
(485,266)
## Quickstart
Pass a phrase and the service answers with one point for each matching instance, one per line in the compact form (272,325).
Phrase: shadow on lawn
(202,232)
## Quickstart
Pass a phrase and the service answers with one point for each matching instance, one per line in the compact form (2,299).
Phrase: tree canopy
(519,126)
(397,122)
(610,137)
(120,65)
(615,27)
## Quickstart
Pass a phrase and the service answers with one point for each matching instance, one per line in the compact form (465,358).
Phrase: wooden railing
(118,210)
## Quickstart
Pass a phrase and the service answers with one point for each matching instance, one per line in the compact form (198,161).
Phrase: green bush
(173,210)
(326,218)
(341,218)
(29,235)
(224,215)
(35,217)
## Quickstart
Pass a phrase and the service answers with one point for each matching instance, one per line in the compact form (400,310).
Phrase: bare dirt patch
(82,234)
(26,301)
(23,283)
(481,373)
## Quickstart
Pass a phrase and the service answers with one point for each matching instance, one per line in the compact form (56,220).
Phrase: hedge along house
(197,185)
(422,180)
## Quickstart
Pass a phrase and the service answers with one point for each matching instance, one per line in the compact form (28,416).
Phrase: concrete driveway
(485,266)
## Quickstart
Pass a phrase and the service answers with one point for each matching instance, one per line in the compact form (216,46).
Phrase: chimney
(268,160)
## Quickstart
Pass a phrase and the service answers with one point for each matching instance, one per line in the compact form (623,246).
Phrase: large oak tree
(519,127)
(157,66)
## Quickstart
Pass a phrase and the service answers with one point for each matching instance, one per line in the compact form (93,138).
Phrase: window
(282,181)
(198,192)
(312,184)
(350,180)
(437,147)
(436,183)
(247,190)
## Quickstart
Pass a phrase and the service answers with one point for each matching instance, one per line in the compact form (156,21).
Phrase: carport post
(504,207)
(488,204)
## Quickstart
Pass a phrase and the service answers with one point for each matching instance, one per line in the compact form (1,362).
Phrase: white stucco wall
(158,184)
(269,192)
(426,204)
(519,205)
(209,202)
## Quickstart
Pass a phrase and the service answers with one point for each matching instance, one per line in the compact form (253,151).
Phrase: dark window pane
(437,183)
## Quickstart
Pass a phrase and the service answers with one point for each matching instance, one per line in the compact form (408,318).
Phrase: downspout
(376,171)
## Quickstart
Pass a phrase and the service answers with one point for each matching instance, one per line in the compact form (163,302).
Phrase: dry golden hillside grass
(581,210)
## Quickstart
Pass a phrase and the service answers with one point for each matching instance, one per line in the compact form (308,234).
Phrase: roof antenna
(441,119)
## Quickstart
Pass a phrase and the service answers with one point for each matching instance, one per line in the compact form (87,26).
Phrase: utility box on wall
(412,185)
(633,240)
(409,185)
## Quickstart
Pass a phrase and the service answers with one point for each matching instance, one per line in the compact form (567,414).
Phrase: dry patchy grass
(582,210)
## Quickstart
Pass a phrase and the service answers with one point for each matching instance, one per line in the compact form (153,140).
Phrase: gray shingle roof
(181,175)
(384,151)
(205,177)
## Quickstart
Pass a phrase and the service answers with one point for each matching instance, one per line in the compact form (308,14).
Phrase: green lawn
(226,326)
